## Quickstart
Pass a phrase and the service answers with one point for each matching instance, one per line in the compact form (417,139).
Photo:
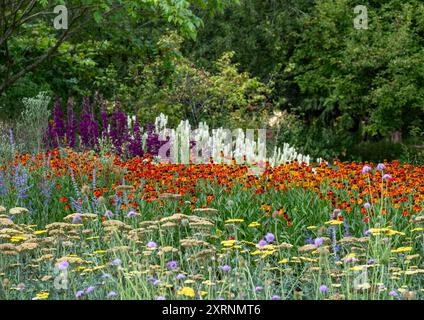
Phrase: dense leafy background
(343,92)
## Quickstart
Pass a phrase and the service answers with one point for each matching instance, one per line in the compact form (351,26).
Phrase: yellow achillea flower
(17,238)
(228,243)
(189,281)
(254,224)
(334,222)
(187,291)
(350,256)
(283,261)
(79,268)
(248,242)
(306,259)
(39,232)
(234,220)
(203,293)
(311,227)
(358,268)
(391,232)
(43,295)
(92,238)
(402,249)
(417,229)
(99,251)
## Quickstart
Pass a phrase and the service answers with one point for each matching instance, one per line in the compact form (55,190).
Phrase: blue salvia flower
(308,237)
(76,205)
(3,187)
(46,189)
(74,183)
(11,140)
(21,182)
(94,178)
(334,244)
(346,228)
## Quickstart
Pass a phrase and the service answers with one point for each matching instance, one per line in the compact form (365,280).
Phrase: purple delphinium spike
(71,124)
(88,126)
(105,119)
(118,128)
(135,146)
(59,129)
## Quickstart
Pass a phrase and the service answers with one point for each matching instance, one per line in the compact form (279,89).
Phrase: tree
(28,39)
(355,84)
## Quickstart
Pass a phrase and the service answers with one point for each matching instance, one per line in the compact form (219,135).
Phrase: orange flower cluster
(343,184)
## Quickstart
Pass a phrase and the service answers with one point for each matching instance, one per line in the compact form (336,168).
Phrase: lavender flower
(366,169)
(181,276)
(318,242)
(323,288)
(275,297)
(269,237)
(108,214)
(152,245)
(258,288)
(77,218)
(63,265)
(111,294)
(387,177)
(160,298)
(367,205)
(132,214)
(90,289)
(172,265)
(79,294)
(116,262)
(393,293)
(262,243)
(381,167)
(225,268)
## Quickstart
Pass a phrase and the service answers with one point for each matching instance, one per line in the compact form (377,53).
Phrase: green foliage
(361,83)
(224,97)
(34,121)
(377,151)
(104,40)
